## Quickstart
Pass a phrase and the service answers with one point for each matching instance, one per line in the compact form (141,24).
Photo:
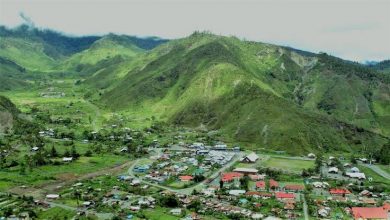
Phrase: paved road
(377,170)
(305,209)
(188,190)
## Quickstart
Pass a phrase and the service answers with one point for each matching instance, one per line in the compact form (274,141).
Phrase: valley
(203,127)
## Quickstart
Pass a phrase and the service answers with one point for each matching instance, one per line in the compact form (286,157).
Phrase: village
(199,180)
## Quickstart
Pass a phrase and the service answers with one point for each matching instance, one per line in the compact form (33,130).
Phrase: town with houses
(195,180)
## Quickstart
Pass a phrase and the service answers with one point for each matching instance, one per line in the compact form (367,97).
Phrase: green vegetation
(256,96)
(288,164)
(56,213)
(159,214)
(376,178)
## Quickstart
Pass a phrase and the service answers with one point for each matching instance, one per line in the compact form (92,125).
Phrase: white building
(246,170)
(175,211)
(52,196)
(237,192)
(333,170)
(250,158)
(360,176)
(355,170)
(67,159)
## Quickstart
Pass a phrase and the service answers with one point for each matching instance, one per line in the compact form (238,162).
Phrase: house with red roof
(386,206)
(294,188)
(229,177)
(363,213)
(336,191)
(260,185)
(284,195)
(186,178)
(273,184)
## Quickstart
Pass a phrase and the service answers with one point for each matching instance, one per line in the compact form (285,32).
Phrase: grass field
(159,214)
(376,177)
(385,168)
(12,177)
(56,213)
(178,184)
(288,164)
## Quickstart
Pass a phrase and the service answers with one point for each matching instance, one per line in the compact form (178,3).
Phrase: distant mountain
(43,49)
(383,66)
(38,49)
(104,50)
(260,94)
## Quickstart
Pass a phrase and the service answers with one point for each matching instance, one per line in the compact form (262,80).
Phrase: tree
(383,155)
(77,195)
(353,159)
(22,170)
(169,201)
(194,205)
(221,184)
(74,153)
(244,182)
(53,151)
(305,173)
(67,153)
(88,153)
(318,162)
(199,178)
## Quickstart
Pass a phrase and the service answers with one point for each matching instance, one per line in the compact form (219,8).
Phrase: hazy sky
(352,29)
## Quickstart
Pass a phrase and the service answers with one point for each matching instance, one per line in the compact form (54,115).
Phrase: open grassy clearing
(385,168)
(375,177)
(159,214)
(44,174)
(56,213)
(287,164)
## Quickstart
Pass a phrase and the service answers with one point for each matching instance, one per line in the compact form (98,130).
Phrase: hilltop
(42,54)
(261,94)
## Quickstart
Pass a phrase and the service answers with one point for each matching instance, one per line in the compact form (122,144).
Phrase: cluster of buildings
(47,133)
(219,147)
(185,164)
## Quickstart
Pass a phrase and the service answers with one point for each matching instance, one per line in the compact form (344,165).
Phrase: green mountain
(383,66)
(37,49)
(10,118)
(11,75)
(29,55)
(46,50)
(13,121)
(260,94)
(104,52)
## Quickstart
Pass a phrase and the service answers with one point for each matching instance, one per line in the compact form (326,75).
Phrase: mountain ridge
(255,93)
(214,67)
